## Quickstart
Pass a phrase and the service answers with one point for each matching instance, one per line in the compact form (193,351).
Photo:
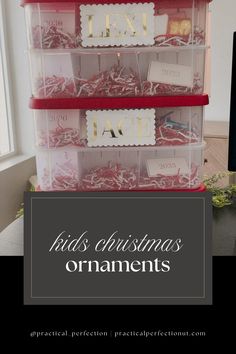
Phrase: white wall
(223,22)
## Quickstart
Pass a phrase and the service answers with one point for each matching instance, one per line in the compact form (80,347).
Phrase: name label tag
(167,167)
(173,74)
(117,25)
(121,127)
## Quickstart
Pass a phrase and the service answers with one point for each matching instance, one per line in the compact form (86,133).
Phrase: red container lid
(200,189)
(118,102)
(166,3)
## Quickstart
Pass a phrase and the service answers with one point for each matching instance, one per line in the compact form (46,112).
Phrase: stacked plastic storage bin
(118,93)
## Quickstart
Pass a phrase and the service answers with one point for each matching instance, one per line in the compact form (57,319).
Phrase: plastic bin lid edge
(25,2)
(118,102)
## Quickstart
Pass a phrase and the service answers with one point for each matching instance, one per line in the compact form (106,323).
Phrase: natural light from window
(6,143)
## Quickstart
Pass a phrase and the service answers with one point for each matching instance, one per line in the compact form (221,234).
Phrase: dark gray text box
(132,276)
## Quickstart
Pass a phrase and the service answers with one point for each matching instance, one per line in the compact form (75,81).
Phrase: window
(6,132)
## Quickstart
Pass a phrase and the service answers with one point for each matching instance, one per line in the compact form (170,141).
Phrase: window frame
(4,53)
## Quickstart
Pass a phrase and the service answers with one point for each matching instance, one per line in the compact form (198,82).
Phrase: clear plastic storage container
(87,23)
(117,73)
(136,126)
(143,168)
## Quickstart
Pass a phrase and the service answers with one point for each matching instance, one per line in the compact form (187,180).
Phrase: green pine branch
(20,212)
(221,196)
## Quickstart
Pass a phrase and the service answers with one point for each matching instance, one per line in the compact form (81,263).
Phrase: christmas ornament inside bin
(68,127)
(130,168)
(67,24)
(113,73)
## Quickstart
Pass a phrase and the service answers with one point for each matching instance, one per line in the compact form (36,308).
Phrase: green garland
(20,212)
(221,196)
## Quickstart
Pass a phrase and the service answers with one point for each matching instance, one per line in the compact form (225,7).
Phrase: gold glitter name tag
(117,25)
(121,127)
